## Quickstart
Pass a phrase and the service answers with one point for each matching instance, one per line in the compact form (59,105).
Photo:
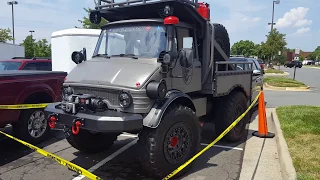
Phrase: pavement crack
(33,161)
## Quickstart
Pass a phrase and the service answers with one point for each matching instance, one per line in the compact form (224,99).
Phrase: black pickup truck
(291,64)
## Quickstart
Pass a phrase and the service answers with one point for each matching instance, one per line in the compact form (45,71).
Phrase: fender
(34,89)
(153,119)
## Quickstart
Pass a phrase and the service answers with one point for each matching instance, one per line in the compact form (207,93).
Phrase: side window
(185,39)
(187,42)
(44,66)
(30,66)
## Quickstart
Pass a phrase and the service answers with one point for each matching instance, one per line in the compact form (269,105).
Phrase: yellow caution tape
(215,141)
(61,161)
(24,106)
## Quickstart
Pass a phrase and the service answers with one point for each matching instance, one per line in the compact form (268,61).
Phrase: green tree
(5,35)
(88,25)
(276,42)
(301,58)
(29,46)
(42,49)
(280,59)
(243,47)
(315,54)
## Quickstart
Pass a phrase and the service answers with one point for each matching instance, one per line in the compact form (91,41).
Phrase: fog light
(125,100)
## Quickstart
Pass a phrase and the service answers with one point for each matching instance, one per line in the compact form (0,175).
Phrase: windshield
(138,41)
(7,65)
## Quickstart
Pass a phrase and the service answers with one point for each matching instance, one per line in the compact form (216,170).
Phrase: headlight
(125,100)
(66,92)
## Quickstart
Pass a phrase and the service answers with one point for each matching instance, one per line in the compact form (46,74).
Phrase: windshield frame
(126,25)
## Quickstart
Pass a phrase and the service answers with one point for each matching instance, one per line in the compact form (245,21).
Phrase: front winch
(76,124)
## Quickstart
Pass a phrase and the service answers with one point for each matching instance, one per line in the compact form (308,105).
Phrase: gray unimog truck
(160,69)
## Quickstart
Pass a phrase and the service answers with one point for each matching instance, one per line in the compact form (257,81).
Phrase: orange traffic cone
(263,126)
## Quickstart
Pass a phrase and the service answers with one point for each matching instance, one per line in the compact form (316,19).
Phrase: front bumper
(107,121)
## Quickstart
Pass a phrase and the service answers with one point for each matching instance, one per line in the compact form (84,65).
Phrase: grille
(110,95)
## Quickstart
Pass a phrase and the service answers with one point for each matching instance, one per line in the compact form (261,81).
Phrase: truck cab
(160,69)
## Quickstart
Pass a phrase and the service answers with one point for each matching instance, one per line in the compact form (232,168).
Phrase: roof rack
(33,58)
(109,4)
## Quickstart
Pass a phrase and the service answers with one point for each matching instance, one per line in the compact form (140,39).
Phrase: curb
(312,67)
(277,74)
(269,87)
(288,171)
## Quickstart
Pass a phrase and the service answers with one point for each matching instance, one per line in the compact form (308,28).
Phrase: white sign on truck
(64,42)
(9,51)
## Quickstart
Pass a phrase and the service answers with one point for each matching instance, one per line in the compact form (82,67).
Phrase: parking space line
(109,158)
(220,146)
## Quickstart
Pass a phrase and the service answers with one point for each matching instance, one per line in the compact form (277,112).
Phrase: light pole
(272,21)
(31,31)
(11,3)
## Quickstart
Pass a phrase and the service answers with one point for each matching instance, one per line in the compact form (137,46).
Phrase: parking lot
(223,161)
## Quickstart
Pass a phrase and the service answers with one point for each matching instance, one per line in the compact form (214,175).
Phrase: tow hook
(52,121)
(75,128)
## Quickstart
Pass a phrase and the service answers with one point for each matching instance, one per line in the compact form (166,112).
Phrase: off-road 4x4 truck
(160,68)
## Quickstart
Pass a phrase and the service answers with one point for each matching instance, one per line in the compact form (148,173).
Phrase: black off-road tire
(231,108)
(153,155)
(88,142)
(20,128)
(222,37)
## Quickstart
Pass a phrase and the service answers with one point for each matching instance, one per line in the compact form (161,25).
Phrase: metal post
(11,3)
(31,31)
(272,16)
(294,73)
(12,23)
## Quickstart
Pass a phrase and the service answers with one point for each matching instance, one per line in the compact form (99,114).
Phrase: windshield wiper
(133,56)
(101,55)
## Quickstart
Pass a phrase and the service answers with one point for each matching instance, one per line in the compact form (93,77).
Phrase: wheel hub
(174,141)
(37,124)
(177,143)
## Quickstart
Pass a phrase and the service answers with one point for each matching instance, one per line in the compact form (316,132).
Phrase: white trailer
(9,51)
(64,42)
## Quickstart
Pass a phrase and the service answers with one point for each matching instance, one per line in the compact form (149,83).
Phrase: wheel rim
(37,124)
(177,143)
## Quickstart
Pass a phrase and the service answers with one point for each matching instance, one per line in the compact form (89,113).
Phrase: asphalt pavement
(223,161)
(307,75)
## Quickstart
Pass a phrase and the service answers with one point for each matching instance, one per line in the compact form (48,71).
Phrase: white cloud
(302,31)
(239,22)
(296,17)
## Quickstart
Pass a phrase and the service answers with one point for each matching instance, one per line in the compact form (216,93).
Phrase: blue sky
(244,19)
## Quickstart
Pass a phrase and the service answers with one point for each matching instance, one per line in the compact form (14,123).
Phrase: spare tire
(222,38)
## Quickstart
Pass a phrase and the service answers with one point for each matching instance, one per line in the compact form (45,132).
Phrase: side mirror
(186,57)
(79,56)
(256,72)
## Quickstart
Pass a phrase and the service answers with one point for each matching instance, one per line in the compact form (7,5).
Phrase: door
(187,79)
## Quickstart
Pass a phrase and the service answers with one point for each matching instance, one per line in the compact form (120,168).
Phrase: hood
(124,72)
